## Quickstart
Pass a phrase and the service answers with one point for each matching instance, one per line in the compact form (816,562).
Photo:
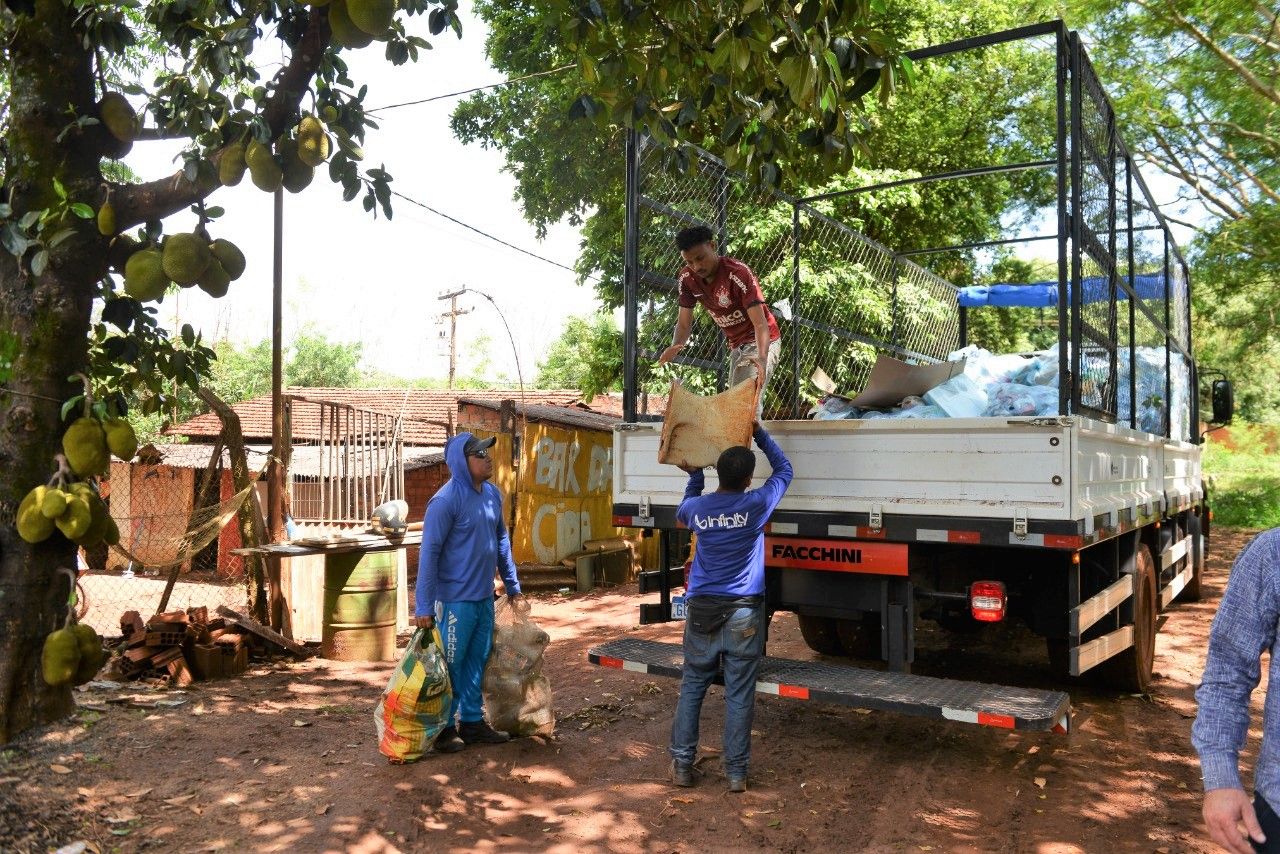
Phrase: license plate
(678,608)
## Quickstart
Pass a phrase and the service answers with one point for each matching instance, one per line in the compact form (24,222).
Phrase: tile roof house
(426,412)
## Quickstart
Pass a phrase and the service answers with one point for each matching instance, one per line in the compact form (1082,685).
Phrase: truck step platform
(924,696)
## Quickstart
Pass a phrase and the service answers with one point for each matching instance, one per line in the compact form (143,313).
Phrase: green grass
(1246,481)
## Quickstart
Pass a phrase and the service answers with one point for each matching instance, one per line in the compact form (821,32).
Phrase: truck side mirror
(1224,404)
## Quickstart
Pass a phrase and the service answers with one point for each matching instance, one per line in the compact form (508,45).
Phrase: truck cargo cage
(923,696)
(1121,297)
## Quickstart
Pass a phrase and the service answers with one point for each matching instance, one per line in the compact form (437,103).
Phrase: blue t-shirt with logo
(729,558)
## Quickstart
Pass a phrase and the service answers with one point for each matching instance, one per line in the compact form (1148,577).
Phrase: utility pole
(452,314)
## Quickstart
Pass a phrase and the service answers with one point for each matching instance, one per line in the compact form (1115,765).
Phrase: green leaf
(908,69)
(214,212)
(59,189)
(188,334)
(40,262)
(70,405)
(82,210)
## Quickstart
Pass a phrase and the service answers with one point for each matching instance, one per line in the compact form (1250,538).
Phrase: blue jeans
(467,631)
(740,642)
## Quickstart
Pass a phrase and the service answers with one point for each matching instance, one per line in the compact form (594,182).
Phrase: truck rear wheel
(1192,593)
(1131,670)
(860,637)
(820,634)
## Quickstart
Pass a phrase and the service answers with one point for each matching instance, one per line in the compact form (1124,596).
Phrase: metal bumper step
(924,696)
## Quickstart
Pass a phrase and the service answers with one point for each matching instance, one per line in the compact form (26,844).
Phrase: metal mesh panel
(1096,361)
(1151,404)
(1179,294)
(839,299)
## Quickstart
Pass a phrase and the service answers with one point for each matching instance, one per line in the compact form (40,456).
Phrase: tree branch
(137,203)
(1249,78)
(1174,165)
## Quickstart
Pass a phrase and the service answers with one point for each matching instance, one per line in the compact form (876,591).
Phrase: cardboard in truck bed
(697,429)
(892,380)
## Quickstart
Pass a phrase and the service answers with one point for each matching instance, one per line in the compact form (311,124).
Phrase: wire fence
(157,505)
(839,298)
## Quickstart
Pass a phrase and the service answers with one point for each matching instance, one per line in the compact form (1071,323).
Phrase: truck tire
(1199,545)
(820,634)
(1130,671)
(860,637)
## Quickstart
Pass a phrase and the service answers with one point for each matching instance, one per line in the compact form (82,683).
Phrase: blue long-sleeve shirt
(729,559)
(1244,626)
(464,539)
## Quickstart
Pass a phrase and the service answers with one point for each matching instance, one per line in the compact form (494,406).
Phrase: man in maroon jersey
(728,290)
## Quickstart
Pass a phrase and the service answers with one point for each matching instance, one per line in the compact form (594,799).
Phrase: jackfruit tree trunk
(44,322)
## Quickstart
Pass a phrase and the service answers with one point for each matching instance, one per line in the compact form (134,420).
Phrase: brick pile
(181,647)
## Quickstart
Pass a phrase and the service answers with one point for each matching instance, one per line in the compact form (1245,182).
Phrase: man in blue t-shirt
(464,540)
(726,614)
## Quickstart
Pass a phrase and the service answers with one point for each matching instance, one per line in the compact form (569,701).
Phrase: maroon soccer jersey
(727,298)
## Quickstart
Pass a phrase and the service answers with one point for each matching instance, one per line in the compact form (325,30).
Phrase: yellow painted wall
(563,491)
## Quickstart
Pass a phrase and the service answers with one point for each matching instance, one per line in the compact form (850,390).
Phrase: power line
(474,89)
(486,234)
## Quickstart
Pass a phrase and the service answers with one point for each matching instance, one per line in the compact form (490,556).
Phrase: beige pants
(740,369)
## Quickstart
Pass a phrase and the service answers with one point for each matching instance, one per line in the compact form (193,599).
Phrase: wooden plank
(252,625)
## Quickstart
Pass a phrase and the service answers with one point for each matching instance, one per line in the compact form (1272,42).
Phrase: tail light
(987,601)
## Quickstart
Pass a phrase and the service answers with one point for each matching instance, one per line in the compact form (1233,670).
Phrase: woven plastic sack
(516,694)
(415,705)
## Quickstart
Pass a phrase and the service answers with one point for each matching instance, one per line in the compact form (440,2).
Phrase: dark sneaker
(681,775)
(479,732)
(448,742)
(737,784)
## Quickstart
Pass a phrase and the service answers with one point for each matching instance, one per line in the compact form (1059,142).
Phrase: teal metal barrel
(359,607)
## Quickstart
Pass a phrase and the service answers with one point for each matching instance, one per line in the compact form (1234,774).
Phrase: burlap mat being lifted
(697,429)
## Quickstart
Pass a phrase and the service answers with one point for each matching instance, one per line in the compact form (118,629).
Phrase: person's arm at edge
(684,326)
(692,489)
(776,486)
(1242,629)
(435,527)
(506,564)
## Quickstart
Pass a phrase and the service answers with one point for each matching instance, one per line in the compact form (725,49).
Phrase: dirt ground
(284,759)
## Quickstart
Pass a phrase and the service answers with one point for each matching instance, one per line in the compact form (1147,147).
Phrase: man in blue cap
(464,540)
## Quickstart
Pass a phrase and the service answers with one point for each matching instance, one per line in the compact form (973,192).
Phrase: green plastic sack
(415,705)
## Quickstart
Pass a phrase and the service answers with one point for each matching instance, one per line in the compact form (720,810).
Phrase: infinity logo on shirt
(737,520)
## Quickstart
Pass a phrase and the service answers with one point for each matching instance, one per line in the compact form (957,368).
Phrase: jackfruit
(229,256)
(54,503)
(107,219)
(372,16)
(33,525)
(185,257)
(231,166)
(61,657)
(263,170)
(345,32)
(85,445)
(74,524)
(121,440)
(313,142)
(214,281)
(297,175)
(329,113)
(98,517)
(118,116)
(92,656)
(144,277)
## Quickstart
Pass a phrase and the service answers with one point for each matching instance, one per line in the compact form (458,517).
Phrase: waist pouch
(706,614)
